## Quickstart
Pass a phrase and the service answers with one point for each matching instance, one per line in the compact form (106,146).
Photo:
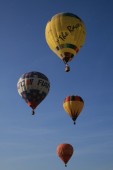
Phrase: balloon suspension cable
(74,119)
(33,112)
(67,68)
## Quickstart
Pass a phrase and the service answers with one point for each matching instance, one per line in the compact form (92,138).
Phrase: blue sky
(29,142)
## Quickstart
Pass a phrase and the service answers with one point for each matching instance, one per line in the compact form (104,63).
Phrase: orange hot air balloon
(65,151)
(73,105)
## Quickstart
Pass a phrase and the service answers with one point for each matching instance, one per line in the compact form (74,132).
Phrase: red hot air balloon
(65,151)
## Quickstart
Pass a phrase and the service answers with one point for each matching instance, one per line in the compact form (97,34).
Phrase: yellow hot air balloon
(73,105)
(65,34)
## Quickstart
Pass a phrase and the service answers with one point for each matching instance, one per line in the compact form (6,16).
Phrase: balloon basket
(67,68)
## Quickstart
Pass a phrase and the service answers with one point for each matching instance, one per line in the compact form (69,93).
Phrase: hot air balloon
(73,105)
(65,34)
(33,87)
(65,151)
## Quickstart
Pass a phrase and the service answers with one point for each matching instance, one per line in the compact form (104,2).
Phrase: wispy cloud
(97,142)
(27,157)
(28,131)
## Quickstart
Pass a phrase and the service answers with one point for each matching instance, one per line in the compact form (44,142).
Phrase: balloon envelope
(33,87)
(65,151)
(73,105)
(65,34)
